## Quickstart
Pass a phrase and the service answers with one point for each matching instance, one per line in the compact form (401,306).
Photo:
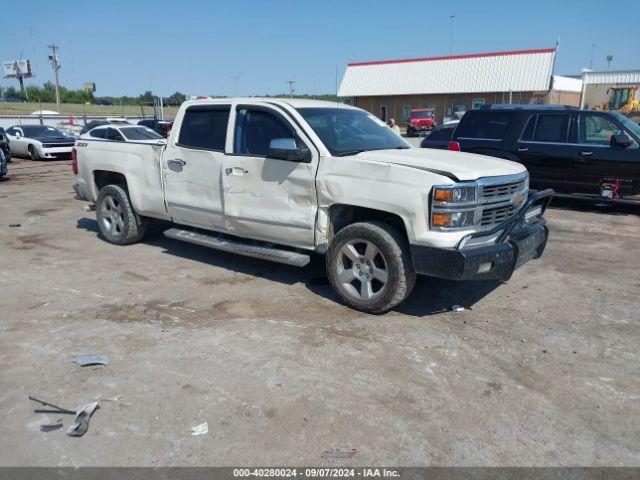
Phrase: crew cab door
(545,149)
(192,164)
(267,198)
(596,159)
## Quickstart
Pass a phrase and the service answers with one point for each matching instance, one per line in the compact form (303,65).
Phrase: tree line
(47,94)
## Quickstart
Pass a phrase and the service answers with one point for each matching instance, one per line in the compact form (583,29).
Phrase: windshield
(38,131)
(347,131)
(140,133)
(423,114)
(629,124)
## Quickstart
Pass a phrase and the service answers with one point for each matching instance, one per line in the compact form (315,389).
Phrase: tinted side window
(255,129)
(487,125)
(441,134)
(597,130)
(113,134)
(12,131)
(98,132)
(551,128)
(204,127)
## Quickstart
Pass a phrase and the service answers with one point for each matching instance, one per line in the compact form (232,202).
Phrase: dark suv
(577,152)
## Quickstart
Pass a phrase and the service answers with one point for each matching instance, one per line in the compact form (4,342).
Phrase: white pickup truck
(278,179)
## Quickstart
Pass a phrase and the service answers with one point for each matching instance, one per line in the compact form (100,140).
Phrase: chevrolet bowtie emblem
(517,200)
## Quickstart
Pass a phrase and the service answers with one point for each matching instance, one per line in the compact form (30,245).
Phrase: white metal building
(391,88)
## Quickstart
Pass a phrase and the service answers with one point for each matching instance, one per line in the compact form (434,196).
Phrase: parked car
(420,120)
(281,178)
(163,127)
(97,123)
(4,145)
(3,164)
(439,137)
(582,153)
(124,133)
(39,142)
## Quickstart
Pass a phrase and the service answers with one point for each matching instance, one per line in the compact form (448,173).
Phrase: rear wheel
(369,266)
(117,220)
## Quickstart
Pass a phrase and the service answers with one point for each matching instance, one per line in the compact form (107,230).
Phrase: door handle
(586,153)
(177,162)
(523,149)
(235,171)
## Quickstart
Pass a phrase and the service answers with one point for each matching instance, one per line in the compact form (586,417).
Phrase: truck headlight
(454,195)
(464,219)
(453,207)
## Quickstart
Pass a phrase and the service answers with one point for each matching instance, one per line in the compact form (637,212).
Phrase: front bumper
(56,152)
(516,244)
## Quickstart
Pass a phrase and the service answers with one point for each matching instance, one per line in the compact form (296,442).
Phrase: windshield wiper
(350,152)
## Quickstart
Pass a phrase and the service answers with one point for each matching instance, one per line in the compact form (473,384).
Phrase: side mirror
(18,135)
(286,149)
(621,140)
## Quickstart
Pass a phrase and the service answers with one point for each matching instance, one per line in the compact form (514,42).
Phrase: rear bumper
(516,244)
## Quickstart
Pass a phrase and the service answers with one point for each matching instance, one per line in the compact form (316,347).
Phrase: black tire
(33,153)
(394,255)
(117,220)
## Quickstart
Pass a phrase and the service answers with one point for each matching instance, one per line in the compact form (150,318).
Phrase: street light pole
(451,18)
(54,63)
(593,50)
(291,90)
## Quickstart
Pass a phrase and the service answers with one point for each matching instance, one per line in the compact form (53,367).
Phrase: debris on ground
(201,429)
(88,359)
(56,408)
(81,422)
(339,453)
(14,225)
(51,427)
(457,308)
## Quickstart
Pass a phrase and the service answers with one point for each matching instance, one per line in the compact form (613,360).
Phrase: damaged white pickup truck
(279,179)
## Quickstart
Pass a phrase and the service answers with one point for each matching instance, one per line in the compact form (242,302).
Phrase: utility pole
(609,60)
(291,89)
(593,50)
(54,64)
(451,18)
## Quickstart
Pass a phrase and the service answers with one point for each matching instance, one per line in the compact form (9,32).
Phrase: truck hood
(457,165)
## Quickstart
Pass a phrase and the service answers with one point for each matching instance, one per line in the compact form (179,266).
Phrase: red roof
(455,57)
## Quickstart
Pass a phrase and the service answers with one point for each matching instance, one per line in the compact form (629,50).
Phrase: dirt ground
(543,370)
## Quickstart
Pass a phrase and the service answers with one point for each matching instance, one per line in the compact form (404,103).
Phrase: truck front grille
(496,192)
(493,215)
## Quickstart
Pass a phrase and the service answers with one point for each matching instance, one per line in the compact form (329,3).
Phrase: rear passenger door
(546,150)
(192,164)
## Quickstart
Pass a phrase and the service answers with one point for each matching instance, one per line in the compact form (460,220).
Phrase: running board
(226,244)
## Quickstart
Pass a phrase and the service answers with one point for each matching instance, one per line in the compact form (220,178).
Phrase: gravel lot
(542,370)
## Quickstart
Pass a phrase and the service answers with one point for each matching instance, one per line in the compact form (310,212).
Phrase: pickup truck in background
(279,179)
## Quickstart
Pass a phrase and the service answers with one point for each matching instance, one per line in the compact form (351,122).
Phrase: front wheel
(117,220)
(33,153)
(369,266)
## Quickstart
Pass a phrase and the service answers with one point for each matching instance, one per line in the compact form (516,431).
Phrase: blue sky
(198,46)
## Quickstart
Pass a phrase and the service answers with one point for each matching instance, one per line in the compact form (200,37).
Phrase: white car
(124,133)
(39,142)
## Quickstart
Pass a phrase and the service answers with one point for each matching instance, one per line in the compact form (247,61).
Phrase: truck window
(113,134)
(552,127)
(485,125)
(98,132)
(204,127)
(255,129)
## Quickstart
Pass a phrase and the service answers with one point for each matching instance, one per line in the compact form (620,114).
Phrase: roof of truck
(293,102)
